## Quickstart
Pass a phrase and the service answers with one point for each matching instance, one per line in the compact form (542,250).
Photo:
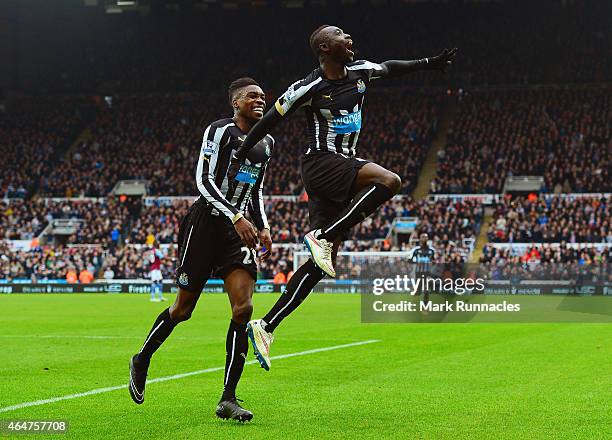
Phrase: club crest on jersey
(290,93)
(183,279)
(361,87)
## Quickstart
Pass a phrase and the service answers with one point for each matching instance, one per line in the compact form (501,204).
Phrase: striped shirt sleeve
(297,95)
(213,138)
(411,255)
(372,70)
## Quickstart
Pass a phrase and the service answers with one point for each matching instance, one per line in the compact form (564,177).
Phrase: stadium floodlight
(126,3)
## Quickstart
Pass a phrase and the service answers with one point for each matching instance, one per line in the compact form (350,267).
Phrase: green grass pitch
(420,381)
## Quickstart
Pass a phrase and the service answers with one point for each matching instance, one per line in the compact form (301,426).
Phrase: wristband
(236,218)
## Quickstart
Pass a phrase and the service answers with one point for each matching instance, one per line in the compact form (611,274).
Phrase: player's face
(251,101)
(339,45)
(424,239)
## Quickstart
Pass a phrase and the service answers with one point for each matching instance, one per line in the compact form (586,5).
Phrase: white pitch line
(76,337)
(178,376)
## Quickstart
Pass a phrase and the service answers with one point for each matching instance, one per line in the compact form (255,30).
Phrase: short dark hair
(315,39)
(238,84)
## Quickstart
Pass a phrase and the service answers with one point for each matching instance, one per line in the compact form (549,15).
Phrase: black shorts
(328,180)
(209,245)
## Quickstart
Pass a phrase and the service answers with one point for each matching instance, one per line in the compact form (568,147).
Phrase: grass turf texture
(423,381)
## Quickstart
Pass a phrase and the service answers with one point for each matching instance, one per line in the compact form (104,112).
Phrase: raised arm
(393,68)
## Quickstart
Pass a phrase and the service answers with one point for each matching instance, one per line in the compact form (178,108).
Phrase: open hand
(443,61)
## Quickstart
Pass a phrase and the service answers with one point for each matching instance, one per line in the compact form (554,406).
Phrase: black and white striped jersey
(332,107)
(221,139)
(422,257)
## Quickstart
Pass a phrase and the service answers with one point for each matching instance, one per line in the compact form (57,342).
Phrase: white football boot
(261,341)
(321,252)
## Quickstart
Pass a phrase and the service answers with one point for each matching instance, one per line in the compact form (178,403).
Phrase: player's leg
(195,253)
(152,288)
(239,286)
(159,286)
(298,288)
(178,312)
(350,189)
(162,327)
(373,186)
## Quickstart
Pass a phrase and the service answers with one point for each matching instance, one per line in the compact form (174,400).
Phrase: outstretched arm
(393,68)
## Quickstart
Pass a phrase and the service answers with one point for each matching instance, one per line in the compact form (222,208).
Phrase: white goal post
(299,257)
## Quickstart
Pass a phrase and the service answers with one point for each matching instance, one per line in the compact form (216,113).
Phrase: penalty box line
(178,376)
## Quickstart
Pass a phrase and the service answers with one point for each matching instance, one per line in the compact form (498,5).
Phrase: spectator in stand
(71,275)
(85,277)
(109,274)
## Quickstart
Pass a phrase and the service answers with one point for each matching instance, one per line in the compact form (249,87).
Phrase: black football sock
(236,349)
(162,327)
(364,203)
(300,285)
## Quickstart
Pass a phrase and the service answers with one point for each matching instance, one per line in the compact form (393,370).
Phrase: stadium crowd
(51,262)
(552,220)
(100,219)
(157,138)
(564,135)
(129,262)
(584,262)
(158,222)
(32,131)
(109,223)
